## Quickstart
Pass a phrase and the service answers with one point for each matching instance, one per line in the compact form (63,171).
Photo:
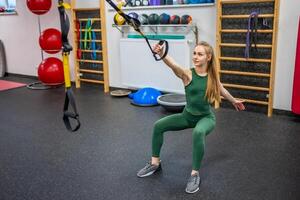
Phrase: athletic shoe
(193,184)
(148,170)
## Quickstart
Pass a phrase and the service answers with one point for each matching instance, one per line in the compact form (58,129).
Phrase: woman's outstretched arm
(238,104)
(170,62)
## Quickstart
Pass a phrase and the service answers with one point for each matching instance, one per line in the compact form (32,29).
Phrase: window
(7,6)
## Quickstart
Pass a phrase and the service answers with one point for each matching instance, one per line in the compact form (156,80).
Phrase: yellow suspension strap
(67,48)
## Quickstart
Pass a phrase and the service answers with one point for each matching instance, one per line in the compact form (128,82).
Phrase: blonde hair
(213,90)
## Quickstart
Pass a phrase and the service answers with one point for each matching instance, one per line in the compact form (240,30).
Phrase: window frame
(9,7)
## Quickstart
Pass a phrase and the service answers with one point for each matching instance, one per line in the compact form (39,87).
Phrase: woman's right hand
(158,49)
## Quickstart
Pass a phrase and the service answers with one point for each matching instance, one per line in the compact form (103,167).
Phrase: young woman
(202,88)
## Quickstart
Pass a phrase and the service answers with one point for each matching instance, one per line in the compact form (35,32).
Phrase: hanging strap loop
(69,100)
(251,36)
(67,48)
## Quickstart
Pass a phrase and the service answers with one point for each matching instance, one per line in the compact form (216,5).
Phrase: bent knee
(201,132)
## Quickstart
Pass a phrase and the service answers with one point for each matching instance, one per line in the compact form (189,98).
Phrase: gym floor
(248,155)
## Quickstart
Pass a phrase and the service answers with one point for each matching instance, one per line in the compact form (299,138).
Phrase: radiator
(139,68)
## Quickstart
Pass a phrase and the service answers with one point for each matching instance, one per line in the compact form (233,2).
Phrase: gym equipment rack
(249,79)
(88,69)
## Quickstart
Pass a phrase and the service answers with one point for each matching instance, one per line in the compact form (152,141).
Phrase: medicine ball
(50,40)
(143,18)
(51,71)
(135,18)
(185,19)
(119,20)
(164,18)
(175,19)
(145,2)
(153,18)
(137,3)
(133,15)
(131,3)
(39,7)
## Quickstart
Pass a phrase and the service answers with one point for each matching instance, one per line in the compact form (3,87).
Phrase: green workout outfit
(197,114)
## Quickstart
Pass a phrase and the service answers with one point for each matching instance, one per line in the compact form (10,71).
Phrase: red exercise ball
(50,40)
(39,7)
(51,71)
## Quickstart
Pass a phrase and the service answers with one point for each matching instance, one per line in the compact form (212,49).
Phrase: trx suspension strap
(251,36)
(67,48)
(135,24)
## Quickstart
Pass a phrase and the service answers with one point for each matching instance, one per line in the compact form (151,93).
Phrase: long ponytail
(213,89)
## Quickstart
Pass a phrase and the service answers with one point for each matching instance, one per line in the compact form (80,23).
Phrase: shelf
(160,25)
(244,73)
(154,28)
(251,101)
(90,51)
(245,31)
(8,13)
(82,30)
(89,61)
(91,81)
(85,9)
(246,16)
(86,19)
(165,6)
(244,1)
(245,87)
(246,59)
(244,45)
(91,71)
(82,40)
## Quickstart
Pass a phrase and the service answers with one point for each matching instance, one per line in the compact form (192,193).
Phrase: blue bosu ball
(145,97)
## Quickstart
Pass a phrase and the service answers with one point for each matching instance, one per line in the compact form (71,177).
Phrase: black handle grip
(161,42)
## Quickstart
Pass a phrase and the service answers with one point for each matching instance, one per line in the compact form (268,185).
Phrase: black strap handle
(70,100)
(161,42)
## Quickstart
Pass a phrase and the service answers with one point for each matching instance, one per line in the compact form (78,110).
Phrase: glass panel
(11,4)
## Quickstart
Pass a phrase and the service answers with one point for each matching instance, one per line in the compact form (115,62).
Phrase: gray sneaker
(193,184)
(148,170)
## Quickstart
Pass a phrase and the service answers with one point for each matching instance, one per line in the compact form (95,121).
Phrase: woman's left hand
(238,105)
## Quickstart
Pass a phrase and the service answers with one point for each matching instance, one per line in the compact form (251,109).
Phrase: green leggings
(202,124)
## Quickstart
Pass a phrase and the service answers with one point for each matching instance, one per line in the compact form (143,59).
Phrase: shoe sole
(192,192)
(148,174)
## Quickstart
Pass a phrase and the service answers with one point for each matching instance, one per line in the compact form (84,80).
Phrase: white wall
(204,16)
(286,51)
(87,3)
(20,37)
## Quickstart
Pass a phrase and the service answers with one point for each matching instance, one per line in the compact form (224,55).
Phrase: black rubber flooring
(248,155)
